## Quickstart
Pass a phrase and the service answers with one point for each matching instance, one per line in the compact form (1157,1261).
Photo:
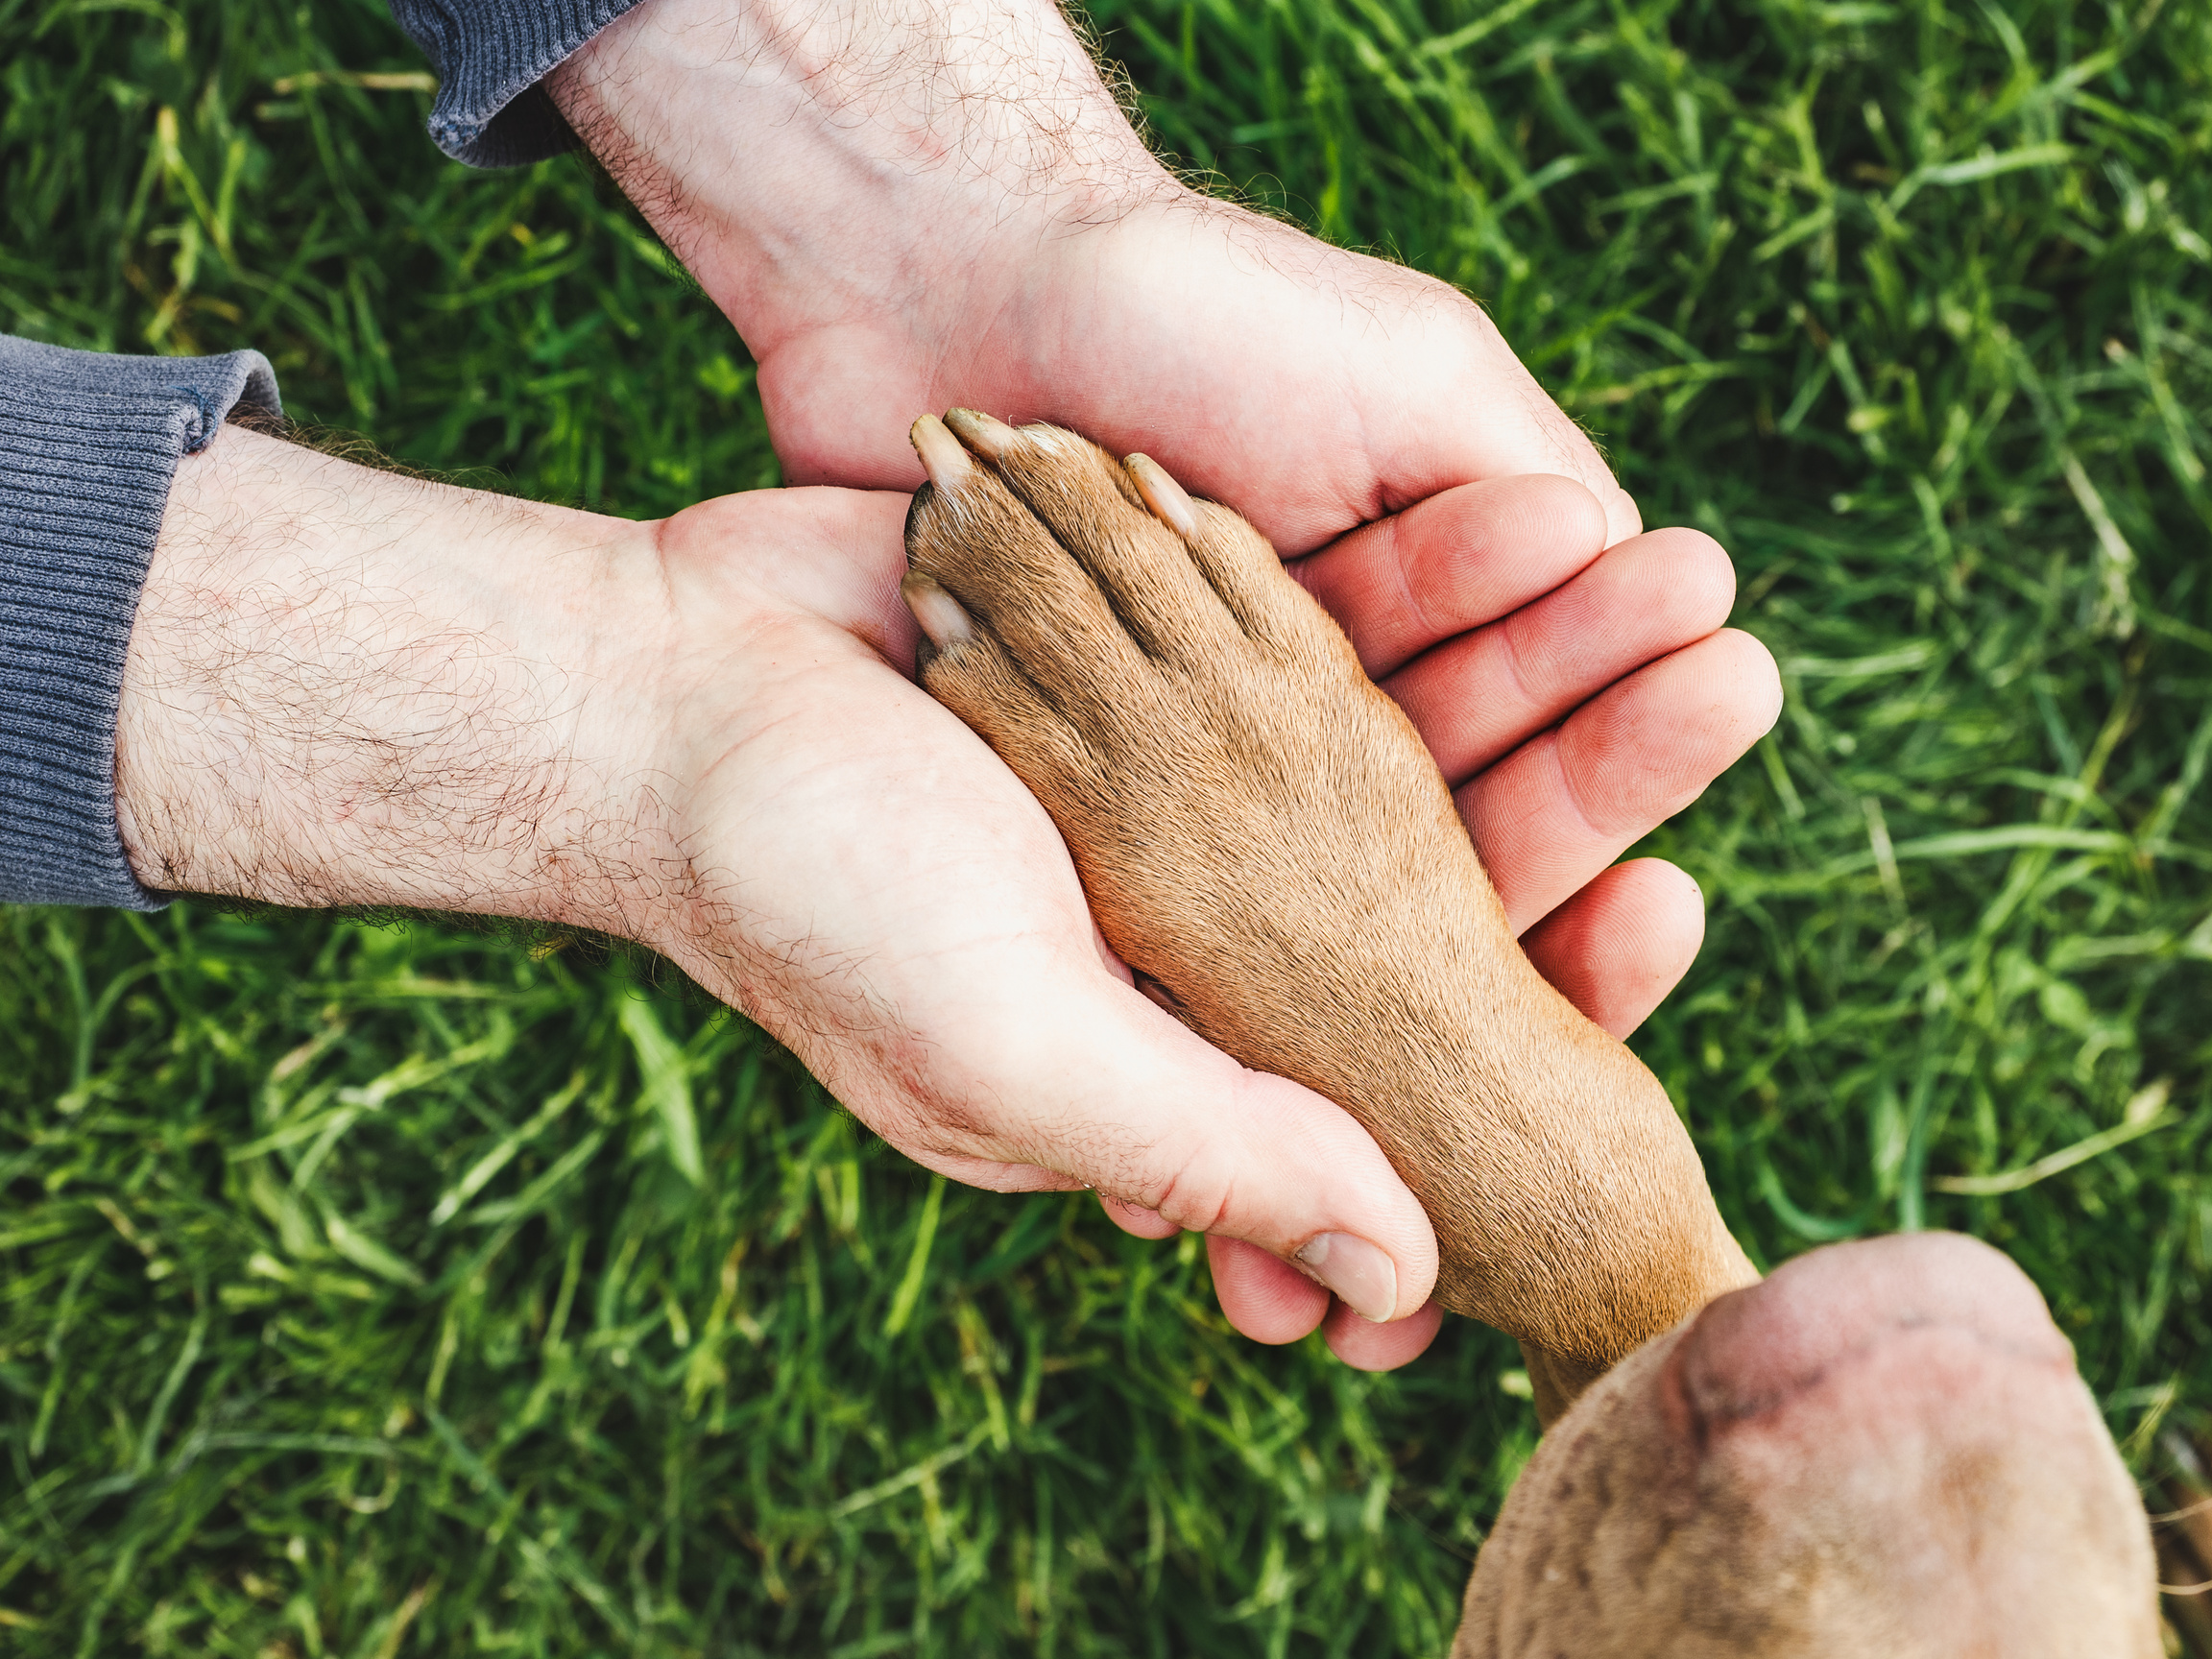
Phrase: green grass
(354,1301)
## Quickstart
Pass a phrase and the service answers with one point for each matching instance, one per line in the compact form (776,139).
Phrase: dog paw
(1262,832)
(1252,818)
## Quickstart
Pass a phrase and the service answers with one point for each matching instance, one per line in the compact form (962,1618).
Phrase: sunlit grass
(358,1299)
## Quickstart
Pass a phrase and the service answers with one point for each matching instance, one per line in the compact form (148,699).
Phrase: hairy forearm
(348,687)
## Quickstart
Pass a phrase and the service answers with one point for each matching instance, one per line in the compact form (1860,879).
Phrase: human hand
(349,687)
(920,205)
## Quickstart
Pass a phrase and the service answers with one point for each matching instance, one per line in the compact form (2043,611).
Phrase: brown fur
(1883,1451)
(1930,1482)
(1261,831)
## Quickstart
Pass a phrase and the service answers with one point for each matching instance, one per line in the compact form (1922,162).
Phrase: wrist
(350,687)
(812,165)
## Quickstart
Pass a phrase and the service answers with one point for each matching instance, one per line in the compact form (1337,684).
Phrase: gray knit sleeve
(88,444)
(489,56)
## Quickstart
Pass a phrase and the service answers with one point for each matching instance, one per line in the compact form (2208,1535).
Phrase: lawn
(353,1304)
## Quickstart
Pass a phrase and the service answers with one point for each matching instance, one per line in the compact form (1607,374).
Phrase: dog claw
(945,623)
(989,437)
(942,457)
(1162,494)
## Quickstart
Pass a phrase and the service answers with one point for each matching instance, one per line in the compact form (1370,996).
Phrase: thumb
(1281,1170)
(1090,1084)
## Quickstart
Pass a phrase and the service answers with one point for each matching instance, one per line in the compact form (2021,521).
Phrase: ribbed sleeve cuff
(489,56)
(88,444)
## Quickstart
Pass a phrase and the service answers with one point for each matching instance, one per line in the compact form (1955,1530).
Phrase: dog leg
(1883,1451)
(1261,831)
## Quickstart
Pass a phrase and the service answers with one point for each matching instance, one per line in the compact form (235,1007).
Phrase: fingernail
(980,432)
(941,456)
(1358,1274)
(940,614)
(1162,494)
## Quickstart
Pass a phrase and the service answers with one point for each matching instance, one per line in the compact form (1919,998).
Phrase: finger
(1263,1296)
(1617,947)
(1078,1074)
(1134,1218)
(1562,806)
(1513,427)
(990,1174)
(1270,1302)
(1528,432)
(1476,696)
(1368,1347)
(1623,518)
(1452,563)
